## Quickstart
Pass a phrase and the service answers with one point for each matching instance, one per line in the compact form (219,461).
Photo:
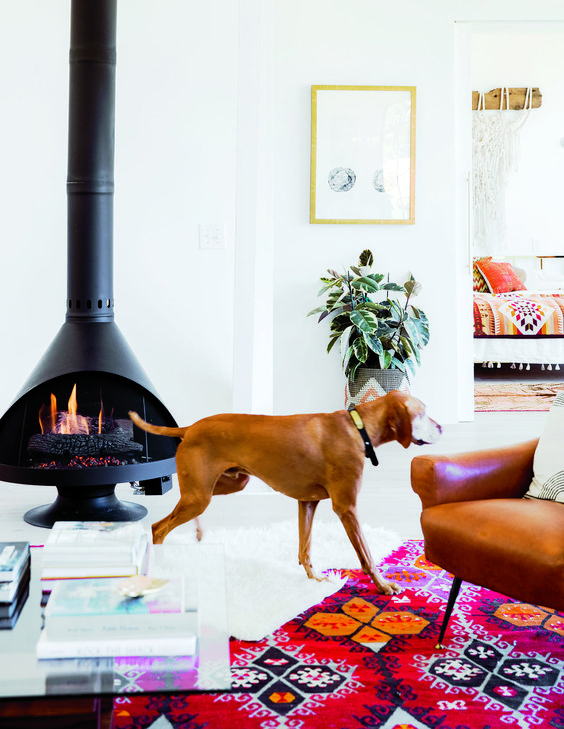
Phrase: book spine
(103,627)
(70,554)
(9,589)
(177,646)
(9,621)
(90,570)
(16,588)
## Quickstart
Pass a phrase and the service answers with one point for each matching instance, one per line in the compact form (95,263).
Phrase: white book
(101,609)
(142,616)
(70,572)
(10,590)
(96,628)
(54,568)
(179,645)
(73,542)
(14,556)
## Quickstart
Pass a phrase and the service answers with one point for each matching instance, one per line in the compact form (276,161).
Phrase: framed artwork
(362,154)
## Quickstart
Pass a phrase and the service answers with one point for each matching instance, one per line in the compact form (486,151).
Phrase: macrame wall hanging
(495,155)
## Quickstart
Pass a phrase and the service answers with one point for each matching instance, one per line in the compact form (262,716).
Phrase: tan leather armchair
(477,526)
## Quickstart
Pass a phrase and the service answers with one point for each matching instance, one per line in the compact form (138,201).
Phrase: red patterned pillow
(500,276)
(478,281)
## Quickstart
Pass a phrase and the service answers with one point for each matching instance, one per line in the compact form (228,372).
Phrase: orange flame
(71,421)
(68,422)
(49,424)
(53,411)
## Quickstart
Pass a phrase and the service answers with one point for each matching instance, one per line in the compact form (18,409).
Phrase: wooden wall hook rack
(516,99)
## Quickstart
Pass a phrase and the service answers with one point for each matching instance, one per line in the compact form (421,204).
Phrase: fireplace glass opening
(70,439)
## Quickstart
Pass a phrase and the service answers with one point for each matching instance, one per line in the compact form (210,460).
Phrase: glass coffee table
(23,676)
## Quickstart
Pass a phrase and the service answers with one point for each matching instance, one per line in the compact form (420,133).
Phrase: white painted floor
(386,499)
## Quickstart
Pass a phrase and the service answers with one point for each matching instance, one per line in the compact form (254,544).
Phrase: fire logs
(80,444)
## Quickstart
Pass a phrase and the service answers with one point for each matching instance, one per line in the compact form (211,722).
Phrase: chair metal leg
(454,590)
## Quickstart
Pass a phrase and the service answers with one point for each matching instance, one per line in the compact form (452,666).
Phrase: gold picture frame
(363,154)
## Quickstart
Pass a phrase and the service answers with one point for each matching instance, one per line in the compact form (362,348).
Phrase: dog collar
(368,447)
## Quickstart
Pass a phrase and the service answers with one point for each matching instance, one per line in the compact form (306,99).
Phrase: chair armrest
(488,474)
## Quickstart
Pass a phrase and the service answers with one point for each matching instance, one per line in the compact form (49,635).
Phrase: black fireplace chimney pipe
(90,180)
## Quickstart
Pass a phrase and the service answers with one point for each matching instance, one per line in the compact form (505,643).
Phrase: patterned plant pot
(369,384)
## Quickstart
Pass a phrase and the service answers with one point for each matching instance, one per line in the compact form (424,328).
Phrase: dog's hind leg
(181,513)
(306,511)
(196,483)
(227,483)
(199,530)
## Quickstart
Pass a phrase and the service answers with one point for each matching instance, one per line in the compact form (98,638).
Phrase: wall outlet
(212,236)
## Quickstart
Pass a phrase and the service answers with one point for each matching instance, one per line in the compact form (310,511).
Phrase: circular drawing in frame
(378,181)
(341,179)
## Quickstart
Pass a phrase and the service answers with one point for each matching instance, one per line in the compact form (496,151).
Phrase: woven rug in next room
(518,396)
(360,660)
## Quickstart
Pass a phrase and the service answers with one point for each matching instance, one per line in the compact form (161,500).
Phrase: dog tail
(156,429)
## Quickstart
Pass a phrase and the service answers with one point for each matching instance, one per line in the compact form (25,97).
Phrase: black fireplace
(69,427)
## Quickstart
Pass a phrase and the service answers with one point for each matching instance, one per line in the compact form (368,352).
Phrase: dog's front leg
(306,511)
(349,520)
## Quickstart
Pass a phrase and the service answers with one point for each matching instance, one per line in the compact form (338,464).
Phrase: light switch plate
(212,236)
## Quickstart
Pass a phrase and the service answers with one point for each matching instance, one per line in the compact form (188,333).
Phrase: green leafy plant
(373,319)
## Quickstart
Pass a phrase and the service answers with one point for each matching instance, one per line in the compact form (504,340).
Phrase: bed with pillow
(513,324)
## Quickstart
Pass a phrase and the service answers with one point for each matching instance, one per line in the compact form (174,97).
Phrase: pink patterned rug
(360,660)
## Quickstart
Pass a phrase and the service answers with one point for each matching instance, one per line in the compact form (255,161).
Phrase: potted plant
(379,331)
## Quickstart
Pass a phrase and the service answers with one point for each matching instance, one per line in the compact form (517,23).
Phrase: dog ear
(399,422)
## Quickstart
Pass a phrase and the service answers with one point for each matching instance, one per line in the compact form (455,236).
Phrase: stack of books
(95,549)
(15,570)
(139,616)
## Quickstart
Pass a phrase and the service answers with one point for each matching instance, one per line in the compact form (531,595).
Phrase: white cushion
(548,463)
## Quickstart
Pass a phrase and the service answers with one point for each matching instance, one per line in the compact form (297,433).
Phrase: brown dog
(307,457)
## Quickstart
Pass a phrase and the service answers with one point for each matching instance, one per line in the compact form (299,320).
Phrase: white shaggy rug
(265,585)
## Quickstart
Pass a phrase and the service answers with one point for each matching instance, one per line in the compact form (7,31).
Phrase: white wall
(176,112)
(529,55)
(330,45)
(213,126)
(366,42)
(34,79)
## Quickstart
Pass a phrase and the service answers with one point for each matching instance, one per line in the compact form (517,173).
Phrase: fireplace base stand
(99,503)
